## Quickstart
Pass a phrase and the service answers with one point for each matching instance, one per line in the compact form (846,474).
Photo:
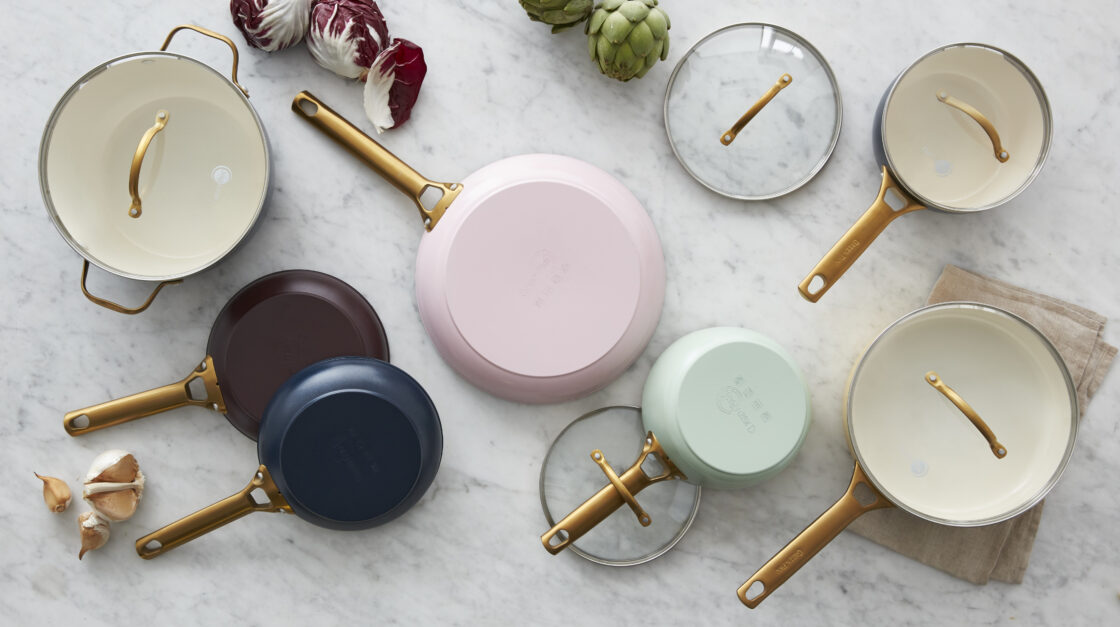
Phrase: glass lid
(569,477)
(758,69)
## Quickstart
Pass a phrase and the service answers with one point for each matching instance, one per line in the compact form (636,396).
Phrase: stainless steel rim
(1070,387)
(574,547)
(1046,118)
(835,90)
(45,191)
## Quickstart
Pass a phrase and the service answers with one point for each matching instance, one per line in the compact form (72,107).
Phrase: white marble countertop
(500,85)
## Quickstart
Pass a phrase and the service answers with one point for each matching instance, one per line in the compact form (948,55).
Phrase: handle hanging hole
(755,591)
(430,197)
(259,497)
(864,494)
(81,422)
(309,107)
(894,200)
(817,284)
(196,389)
(560,538)
(153,545)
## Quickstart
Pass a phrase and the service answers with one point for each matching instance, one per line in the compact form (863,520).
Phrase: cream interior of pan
(202,181)
(942,154)
(923,452)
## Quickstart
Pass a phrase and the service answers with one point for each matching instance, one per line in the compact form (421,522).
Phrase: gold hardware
(845,252)
(643,517)
(1001,154)
(783,81)
(162,117)
(108,304)
(814,538)
(209,33)
(622,490)
(143,404)
(376,156)
(210,518)
(938,384)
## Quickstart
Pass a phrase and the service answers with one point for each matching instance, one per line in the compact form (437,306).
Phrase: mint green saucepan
(723,407)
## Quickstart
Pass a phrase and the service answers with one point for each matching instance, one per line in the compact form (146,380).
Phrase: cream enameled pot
(154,166)
(965,128)
(959,413)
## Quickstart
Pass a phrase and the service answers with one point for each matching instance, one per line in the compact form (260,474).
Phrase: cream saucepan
(965,128)
(959,413)
(154,166)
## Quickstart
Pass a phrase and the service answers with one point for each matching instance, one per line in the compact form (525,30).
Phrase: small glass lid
(569,477)
(726,76)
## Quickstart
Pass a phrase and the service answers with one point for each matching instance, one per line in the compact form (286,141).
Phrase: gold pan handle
(938,384)
(108,304)
(210,518)
(845,252)
(810,541)
(147,403)
(733,132)
(620,491)
(1001,153)
(376,156)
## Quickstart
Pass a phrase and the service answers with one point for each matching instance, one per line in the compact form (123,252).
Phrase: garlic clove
(94,530)
(56,493)
(114,466)
(114,485)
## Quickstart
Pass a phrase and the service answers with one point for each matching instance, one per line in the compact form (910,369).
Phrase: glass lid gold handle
(210,518)
(938,384)
(621,491)
(1001,153)
(135,209)
(733,132)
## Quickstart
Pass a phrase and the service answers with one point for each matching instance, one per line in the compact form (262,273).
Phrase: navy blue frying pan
(346,443)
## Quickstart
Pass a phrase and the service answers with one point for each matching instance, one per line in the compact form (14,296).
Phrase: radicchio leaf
(347,35)
(393,84)
(271,25)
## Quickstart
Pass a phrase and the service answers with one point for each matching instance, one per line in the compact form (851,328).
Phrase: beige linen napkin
(999,551)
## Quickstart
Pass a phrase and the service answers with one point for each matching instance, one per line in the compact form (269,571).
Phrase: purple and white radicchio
(271,25)
(393,84)
(347,35)
(351,39)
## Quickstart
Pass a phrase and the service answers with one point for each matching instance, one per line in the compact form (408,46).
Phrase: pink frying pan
(540,277)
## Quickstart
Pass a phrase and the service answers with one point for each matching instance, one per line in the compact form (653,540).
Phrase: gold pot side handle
(997,148)
(596,509)
(810,541)
(209,33)
(108,304)
(938,384)
(845,252)
(376,156)
(210,518)
(147,403)
(162,118)
(783,81)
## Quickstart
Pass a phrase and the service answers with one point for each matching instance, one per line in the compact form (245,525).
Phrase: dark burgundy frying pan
(271,329)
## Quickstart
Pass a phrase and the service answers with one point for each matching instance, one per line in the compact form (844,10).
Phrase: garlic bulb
(114,485)
(56,493)
(94,530)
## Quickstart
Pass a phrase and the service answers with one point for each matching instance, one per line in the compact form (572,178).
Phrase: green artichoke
(626,37)
(562,14)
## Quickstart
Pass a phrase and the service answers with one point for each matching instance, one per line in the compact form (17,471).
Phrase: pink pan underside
(543,281)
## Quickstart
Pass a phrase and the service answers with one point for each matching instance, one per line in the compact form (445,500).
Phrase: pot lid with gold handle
(753,111)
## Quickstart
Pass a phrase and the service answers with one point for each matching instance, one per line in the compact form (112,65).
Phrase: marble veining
(469,553)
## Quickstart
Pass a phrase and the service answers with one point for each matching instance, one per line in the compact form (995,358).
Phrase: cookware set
(540,278)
